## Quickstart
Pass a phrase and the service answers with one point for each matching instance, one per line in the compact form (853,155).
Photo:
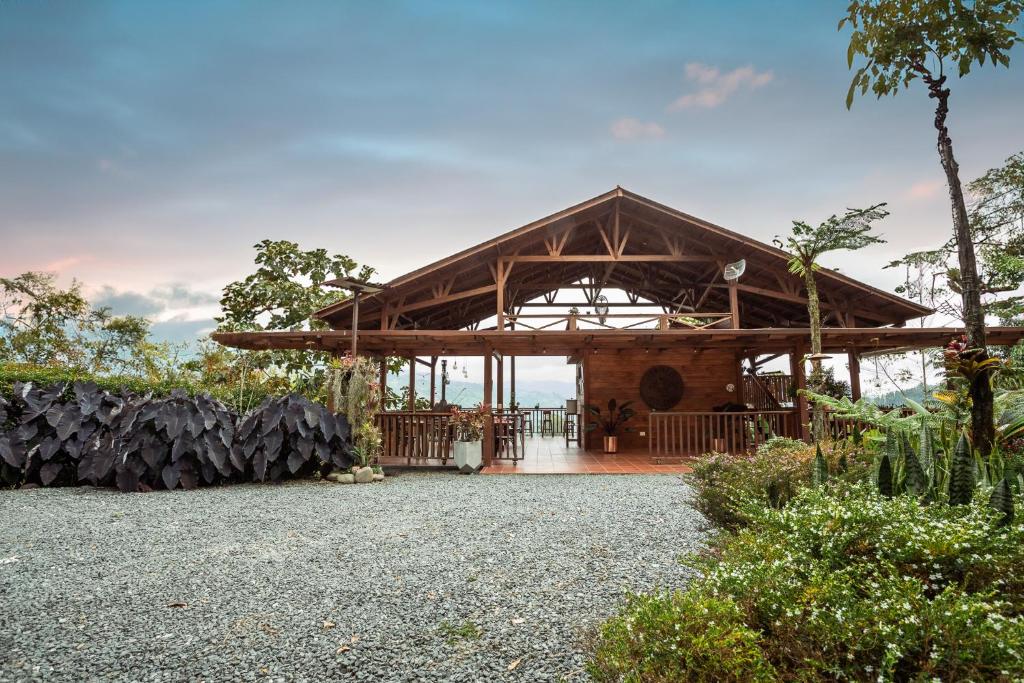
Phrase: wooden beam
(600,258)
(734,305)
(412,384)
(854,360)
(796,361)
(500,284)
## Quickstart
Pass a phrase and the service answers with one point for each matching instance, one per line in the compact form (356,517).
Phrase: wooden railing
(415,435)
(698,320)
(760,389)
(695,433)
(533,420)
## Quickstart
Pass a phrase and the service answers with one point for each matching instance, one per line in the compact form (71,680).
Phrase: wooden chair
(547,424)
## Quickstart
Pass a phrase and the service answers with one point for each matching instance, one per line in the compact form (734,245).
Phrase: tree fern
(1001,500)
(961,473)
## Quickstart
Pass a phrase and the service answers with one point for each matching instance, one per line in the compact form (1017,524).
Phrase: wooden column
(854,360)
(499,276)
(734,304)
(433,380)
(796,360)
(500,389)
(512,380)
(488,445)
(383,382)
(412,384)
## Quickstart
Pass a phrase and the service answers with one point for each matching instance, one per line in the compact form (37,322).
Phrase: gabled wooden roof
(658,254)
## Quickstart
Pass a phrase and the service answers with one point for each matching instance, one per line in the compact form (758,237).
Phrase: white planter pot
(469,456)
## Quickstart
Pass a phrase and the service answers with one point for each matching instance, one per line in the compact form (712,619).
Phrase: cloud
(925,189)
(127,303)
(634,129)
(164,301)
(715,87)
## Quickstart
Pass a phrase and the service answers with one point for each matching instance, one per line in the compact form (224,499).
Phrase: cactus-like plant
(961,473)
(914,480)
(819,469)
(1001,500)
(885,476)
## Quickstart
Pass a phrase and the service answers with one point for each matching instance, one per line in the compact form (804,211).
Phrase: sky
(145,147)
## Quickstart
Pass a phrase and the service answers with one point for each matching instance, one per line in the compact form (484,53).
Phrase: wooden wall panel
(617,375)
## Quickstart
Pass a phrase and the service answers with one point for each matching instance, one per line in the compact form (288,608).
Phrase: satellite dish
(601,307)
(734,270)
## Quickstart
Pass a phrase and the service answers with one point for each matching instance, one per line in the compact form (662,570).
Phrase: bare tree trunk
(982,418)
(817,377)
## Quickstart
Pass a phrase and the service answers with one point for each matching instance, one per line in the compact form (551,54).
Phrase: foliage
(899,38)
(61,434)
(469,424)
(226,391)
(724,483)
(354,389)
(41,324)
(806,244)
(618,415)
(674,636)
(841,584)
(283,294)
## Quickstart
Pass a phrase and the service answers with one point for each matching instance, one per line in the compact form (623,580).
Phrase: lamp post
(444,377)
(358,288)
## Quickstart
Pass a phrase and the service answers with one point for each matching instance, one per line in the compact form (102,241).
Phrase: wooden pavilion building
(634,294)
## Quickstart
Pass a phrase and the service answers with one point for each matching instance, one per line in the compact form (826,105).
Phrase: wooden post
(488,445)
(444,378)
(433,380)
(796,360)
(854,359)
(512,380)
(412,384)
(734,304)
(383,383)
(500,389)
(499,274)
(355,320)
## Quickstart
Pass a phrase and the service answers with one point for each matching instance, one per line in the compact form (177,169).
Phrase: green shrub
(772,476)
(662,636)
(42,375)
(844,584)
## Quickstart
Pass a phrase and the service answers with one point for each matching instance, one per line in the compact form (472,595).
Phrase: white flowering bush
(844,584)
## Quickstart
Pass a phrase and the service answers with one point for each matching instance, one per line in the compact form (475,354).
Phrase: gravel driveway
(425,577)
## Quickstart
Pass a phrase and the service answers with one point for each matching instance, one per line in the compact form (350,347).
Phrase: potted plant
(469,438)
(610,424)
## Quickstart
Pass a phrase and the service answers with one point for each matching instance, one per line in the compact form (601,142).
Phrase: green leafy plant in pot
(611,423)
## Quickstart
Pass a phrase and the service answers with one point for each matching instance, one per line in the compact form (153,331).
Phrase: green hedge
(43,375)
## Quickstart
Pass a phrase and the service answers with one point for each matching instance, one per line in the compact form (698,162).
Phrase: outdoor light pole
(444,377)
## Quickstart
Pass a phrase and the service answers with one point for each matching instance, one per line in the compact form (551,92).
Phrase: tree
(905,40)
(283,294)
(806,244)
(42,324)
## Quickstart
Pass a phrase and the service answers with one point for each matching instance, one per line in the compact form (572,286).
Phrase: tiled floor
(549,455)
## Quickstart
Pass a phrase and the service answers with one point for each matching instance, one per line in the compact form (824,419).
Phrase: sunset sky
(146,146)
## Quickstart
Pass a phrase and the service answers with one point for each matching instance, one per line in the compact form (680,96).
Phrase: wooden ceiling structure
(618,240)
(657,256)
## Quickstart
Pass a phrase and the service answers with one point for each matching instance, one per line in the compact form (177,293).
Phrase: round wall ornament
(661,387)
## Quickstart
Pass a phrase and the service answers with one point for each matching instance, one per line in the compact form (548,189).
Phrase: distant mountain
(529,393)
(895,398)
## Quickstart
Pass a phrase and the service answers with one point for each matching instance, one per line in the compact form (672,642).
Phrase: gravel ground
(425,577)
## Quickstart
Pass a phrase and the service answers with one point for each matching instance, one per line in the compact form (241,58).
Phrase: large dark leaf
(215,450)
(295,461)
(272,444)
(27,432)
(208,471)
(49,472)
(341,427)
(293,414)
(12,452)
(95,466)
(89,397)
(49,447)
(237,457)
(152,455)
(305,447)
(247,425)
(323,451)
(70,422)
(271,417)
(127,480)
(181,446)
(327,426)
(311,412)
(259,464)
(249,447)
(171,474)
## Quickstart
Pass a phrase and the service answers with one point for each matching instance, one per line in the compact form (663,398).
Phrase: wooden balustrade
(767,392)
(695,433)
(415,435)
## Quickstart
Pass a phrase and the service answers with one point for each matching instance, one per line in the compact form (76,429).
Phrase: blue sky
(145,147)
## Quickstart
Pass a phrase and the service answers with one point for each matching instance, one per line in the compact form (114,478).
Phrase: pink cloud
(715,87)
(634,129)
(925,189)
